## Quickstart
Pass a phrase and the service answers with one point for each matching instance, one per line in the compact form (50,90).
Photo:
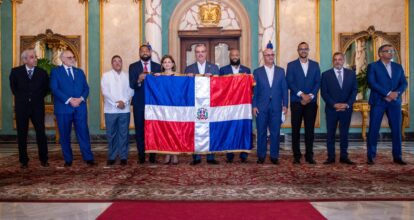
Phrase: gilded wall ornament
(210,14)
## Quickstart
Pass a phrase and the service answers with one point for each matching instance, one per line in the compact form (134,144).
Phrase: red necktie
(145,67)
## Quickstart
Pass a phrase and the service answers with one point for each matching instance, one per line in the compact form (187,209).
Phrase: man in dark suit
(137,73)
(338,89)
(235,68)
(303,78)
(29,85)
(387,82)
(70,91)
(202,66)
(270,101)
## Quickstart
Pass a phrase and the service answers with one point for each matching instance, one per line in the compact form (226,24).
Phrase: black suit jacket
(135,69)
(28,93)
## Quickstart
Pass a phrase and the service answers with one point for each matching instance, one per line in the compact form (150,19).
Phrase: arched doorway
(233,31)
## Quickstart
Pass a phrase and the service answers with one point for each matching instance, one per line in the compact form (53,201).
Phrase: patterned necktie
(70,73)
(30,74)
(340,78)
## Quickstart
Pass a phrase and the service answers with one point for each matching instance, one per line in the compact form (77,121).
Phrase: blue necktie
(70,73)
(30,74)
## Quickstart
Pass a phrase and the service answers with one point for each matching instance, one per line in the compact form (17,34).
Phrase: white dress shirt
(389,69)
(305,67)
(270,72)
(115,87)
(201,67)
(234,69)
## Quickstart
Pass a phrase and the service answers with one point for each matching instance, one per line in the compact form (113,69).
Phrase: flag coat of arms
(198,114)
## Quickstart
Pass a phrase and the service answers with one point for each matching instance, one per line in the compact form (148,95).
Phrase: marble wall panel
(121,35)
(298,22)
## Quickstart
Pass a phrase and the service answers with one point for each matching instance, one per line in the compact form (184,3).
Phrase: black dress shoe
(67,164)
(400,162)
(44,164)
(124,162)
(24,166)
(370,162)
(346,161)
(229,161)
(110,162)
(141,161)
(195,162)
(311,161)
(152,158)
(213,162)
(329,162)
(243,160)
(91,163)
(275,161)
(296,161)
(260,161)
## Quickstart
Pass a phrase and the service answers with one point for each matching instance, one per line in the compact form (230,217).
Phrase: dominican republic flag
(198,114)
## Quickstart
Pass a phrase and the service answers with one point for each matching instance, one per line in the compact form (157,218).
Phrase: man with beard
(235,68)
(303,79)
(202,66)
(137,73)
(70,91)
(338,89)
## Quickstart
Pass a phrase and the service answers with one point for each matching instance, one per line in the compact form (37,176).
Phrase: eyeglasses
(303,49)
(388,51)
(269,55)
(70,58)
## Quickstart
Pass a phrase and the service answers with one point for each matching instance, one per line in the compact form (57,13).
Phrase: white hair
(23,56)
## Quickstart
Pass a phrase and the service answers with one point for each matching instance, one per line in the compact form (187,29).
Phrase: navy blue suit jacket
(297,81)
(381,84)
(135,69)
(64,86)
(228,70)
(267,98)
(331,91)
(210,68)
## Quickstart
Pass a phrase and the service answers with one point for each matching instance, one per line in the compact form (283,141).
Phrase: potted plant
(47,65)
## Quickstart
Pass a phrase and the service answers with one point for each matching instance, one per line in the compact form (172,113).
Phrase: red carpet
(211,210)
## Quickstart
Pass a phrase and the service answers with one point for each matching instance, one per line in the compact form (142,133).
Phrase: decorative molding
(83,1)
(14,1)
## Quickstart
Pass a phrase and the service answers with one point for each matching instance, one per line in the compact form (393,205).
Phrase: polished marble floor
(367,210)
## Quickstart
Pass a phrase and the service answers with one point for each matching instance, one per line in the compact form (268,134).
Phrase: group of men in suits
(338,85)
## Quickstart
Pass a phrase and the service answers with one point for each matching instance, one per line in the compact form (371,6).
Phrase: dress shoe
(229,161)
(400,162)
(275,161)
(311,161)
(243,160)
(370,162)
(124,162)
(213,162)
(44,164)
(296,161)
(152,158)
(174,159)
(24,166)
(91,163)
(346,161)
(110,162)
(141,161)
(328,161)
(260,161)
(195,162)
(67,164)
